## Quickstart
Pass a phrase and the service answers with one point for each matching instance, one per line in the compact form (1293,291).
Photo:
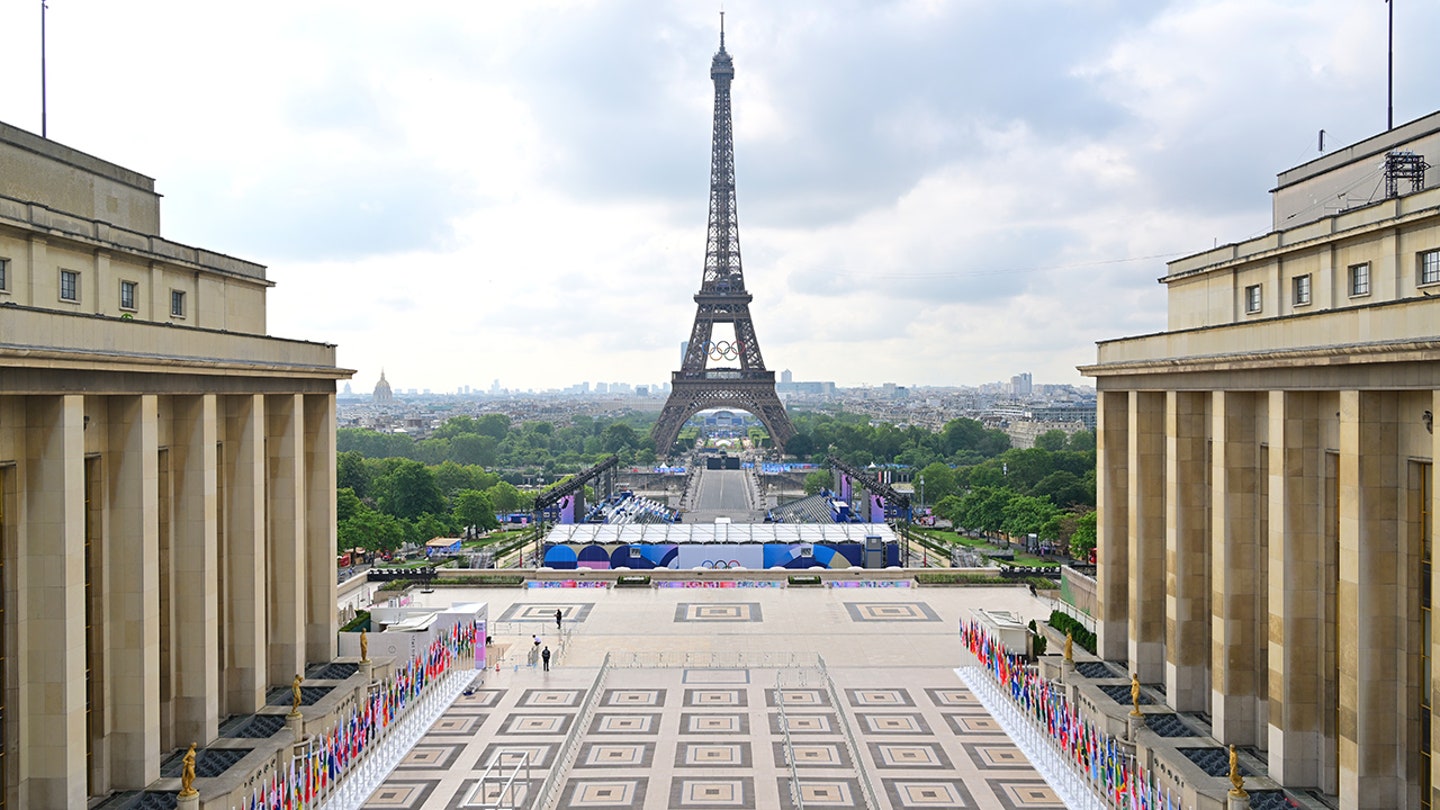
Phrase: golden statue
(1135,694)
(1238,791)
(364,647)
(1069,647)
(187,774)
(295,695)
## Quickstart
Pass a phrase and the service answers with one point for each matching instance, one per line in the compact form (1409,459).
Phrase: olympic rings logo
(725,350)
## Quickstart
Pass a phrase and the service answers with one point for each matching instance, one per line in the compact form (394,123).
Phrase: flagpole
(42,71)
(1390,82)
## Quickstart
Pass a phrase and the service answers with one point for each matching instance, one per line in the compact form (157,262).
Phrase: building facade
(1266,481)
(167,484)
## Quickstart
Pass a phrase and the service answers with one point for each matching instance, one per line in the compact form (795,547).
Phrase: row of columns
(208,521)
(1258,555)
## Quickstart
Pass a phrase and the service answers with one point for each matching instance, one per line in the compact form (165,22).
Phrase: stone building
(1266,483)
(167,484)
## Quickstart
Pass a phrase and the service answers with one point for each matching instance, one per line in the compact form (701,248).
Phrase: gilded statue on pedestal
(187,773)
(1238,791)
(364,647)
(1135,694)
(1069,646)
(295,695)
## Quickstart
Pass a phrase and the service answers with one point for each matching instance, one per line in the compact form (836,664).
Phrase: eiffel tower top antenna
(722,30)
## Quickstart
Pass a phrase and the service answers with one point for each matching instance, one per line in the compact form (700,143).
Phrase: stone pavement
(678,724)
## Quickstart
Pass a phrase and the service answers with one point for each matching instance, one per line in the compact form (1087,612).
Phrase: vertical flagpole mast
(1390,83)
(42,70)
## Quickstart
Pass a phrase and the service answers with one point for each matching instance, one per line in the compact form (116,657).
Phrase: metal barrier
(724,659)
(867,791)
(549,795)
(797,799)
(506,796)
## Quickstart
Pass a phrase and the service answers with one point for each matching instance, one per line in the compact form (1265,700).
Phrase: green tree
(1026,514)
(819,480)
(939,481)
(1083,540)
(801,446)
(1082,441)
(346,504)
(505,497)
(949,507)
(1051,440)
(351,473)
(619,436)
(410,491)
(473,508)
(367,528)
(983,508)
(1064,489)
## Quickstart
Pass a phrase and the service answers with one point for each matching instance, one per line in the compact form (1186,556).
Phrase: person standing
(545,657)
(558,617)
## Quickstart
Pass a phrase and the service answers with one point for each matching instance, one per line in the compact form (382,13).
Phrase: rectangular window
(1429,267)
(177,303)
(69,285)
(1252,299)
(4,275)
(1359,279)
(1301,288)
(127,294)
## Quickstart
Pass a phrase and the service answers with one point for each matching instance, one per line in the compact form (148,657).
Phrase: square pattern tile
(477,700)
(728,698)
(877,698)
(545,612)
(989,756)
(426,756)
(517,723)
(645,723)
(1024,794)
(615,755)
(891,612)
(712,755)
(734,677)
(908,755)
(797,698)
(968,724)
(905,793)
(712,793)
(804,723)
(696,723)
(727,612)
(954,697)
(811,755)
(456,725)
(502,793)
(587,793)
(908,723)
(633,697)
(822,792)
(509,754)
(406,794)
(548,698)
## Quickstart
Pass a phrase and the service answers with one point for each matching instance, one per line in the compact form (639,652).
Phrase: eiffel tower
(722,299)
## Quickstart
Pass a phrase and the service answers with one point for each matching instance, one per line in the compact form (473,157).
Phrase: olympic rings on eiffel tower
(725,350)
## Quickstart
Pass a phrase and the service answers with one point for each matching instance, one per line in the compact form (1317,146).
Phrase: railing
(549,794)
(797,798)
(867,791)
(726,659)
(506,797)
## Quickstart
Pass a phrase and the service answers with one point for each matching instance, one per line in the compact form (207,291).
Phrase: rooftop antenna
(43,128)
(722,29)
(1322,140)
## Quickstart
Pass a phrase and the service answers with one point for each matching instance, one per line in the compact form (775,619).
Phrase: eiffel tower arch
(722,299)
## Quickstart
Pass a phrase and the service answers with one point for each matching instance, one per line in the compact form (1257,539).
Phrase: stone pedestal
(1233,802)
(1134,723)
(191,802)
(295,721)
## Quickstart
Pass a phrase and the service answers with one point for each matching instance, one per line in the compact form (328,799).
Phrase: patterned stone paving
(700,738)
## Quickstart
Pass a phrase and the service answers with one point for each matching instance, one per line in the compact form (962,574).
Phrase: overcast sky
(930,192)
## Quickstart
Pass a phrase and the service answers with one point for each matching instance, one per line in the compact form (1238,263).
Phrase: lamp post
(924,549)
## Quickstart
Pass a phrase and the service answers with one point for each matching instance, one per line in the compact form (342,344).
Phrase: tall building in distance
(1266,483)
(167,484)
(382,395)
(1020,384)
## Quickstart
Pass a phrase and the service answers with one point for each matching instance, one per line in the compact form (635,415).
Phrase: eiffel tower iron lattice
(722,300)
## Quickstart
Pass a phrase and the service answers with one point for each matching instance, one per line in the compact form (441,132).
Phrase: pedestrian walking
(545,657)
(558,616)
(537,640)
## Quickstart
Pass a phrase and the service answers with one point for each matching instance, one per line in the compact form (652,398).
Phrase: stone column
(134,607)
(1297,588)
(52,548)
(1235,523)
(1147,535)
(1187,559)
(245,564)
(1112,484)
(320,540)
(284,417)
(195,567)
(1370,614)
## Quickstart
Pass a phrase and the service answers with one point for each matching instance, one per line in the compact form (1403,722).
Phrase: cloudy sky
(930,192)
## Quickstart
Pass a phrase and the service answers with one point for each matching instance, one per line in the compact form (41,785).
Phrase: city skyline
(928,194)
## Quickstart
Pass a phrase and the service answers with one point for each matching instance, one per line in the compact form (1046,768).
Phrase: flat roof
(683,533)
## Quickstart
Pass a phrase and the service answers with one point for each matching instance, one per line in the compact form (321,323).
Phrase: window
(177,303)
(1429,267)
(127,294)
(69,285)
(1301,289)
(4,275)
(1252,298)
(1359,279)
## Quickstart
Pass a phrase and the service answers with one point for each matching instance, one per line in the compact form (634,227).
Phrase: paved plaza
(678,724)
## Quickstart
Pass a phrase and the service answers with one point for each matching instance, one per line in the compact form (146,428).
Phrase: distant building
(1020,384)
(786,377)
(1266,486)
(382,394)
